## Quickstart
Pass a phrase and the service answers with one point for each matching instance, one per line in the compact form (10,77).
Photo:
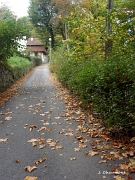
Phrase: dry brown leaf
(118,178)
(42,121)
(42,146)
(79,137)
(116,155)
(17,161)
(30,168)
(42,114)
(132,139)
(74,158)
(8,118)
(52,144)
(77,149)
(33,140)
(132,168)
(42,128)
(31,178)
(69,134)
(3,140)
(40,160)
(97,141)
(124,167)
(49,140)
(32,126)
(46,123)
(102,161)
(41,141)
(82,145)
(57,117)
(93,153)
(59,147)
(54,123)
(34,144)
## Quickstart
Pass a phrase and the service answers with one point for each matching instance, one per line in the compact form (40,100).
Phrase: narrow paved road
(36,134)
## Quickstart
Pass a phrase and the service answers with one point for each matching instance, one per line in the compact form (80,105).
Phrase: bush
(59,57)
(107,87)
(15,68)
(35,61)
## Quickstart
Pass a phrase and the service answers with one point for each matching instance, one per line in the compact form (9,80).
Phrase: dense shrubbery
(107,87)
(99,65)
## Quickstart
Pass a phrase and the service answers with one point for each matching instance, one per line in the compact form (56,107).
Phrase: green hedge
(107,87)
(15,68)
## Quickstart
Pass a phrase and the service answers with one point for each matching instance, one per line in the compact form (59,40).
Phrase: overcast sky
(19,7)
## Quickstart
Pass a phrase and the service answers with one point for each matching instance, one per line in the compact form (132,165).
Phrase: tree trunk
(108,43)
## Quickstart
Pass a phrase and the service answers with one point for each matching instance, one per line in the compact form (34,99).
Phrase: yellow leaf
(31,178)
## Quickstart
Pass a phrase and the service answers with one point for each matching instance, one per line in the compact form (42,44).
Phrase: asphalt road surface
(34,133)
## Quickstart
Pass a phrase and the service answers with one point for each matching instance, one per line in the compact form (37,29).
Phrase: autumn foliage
(103,78)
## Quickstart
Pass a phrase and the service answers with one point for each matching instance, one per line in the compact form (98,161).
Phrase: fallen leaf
(32,140)
(74,158)
(42,114)
(57,117)
(8,118)
(54,123)
(52,144)
(3,140)
(118,178)
(30,178)
(30,168)
(32,126)
(34,144)
(17,161)
(132,139)
(41,141)
(42,128)
(82,145)
(49,140)
(40,160)
(93,153)
(102,161)
(42,146)
(79,137)
(77,149)
(59,147)
(69,134)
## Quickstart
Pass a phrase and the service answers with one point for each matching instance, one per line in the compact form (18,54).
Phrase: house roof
(35,45)
(37,48)
(34,41)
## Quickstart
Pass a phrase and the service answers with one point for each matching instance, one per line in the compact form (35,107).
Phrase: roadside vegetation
(13,63)
(96,62)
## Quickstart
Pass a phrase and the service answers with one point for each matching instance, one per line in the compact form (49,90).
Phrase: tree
(48,17)
(6,13)
(11,30)
(40,13)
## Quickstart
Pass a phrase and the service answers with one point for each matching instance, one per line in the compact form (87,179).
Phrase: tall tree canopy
(47,16)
